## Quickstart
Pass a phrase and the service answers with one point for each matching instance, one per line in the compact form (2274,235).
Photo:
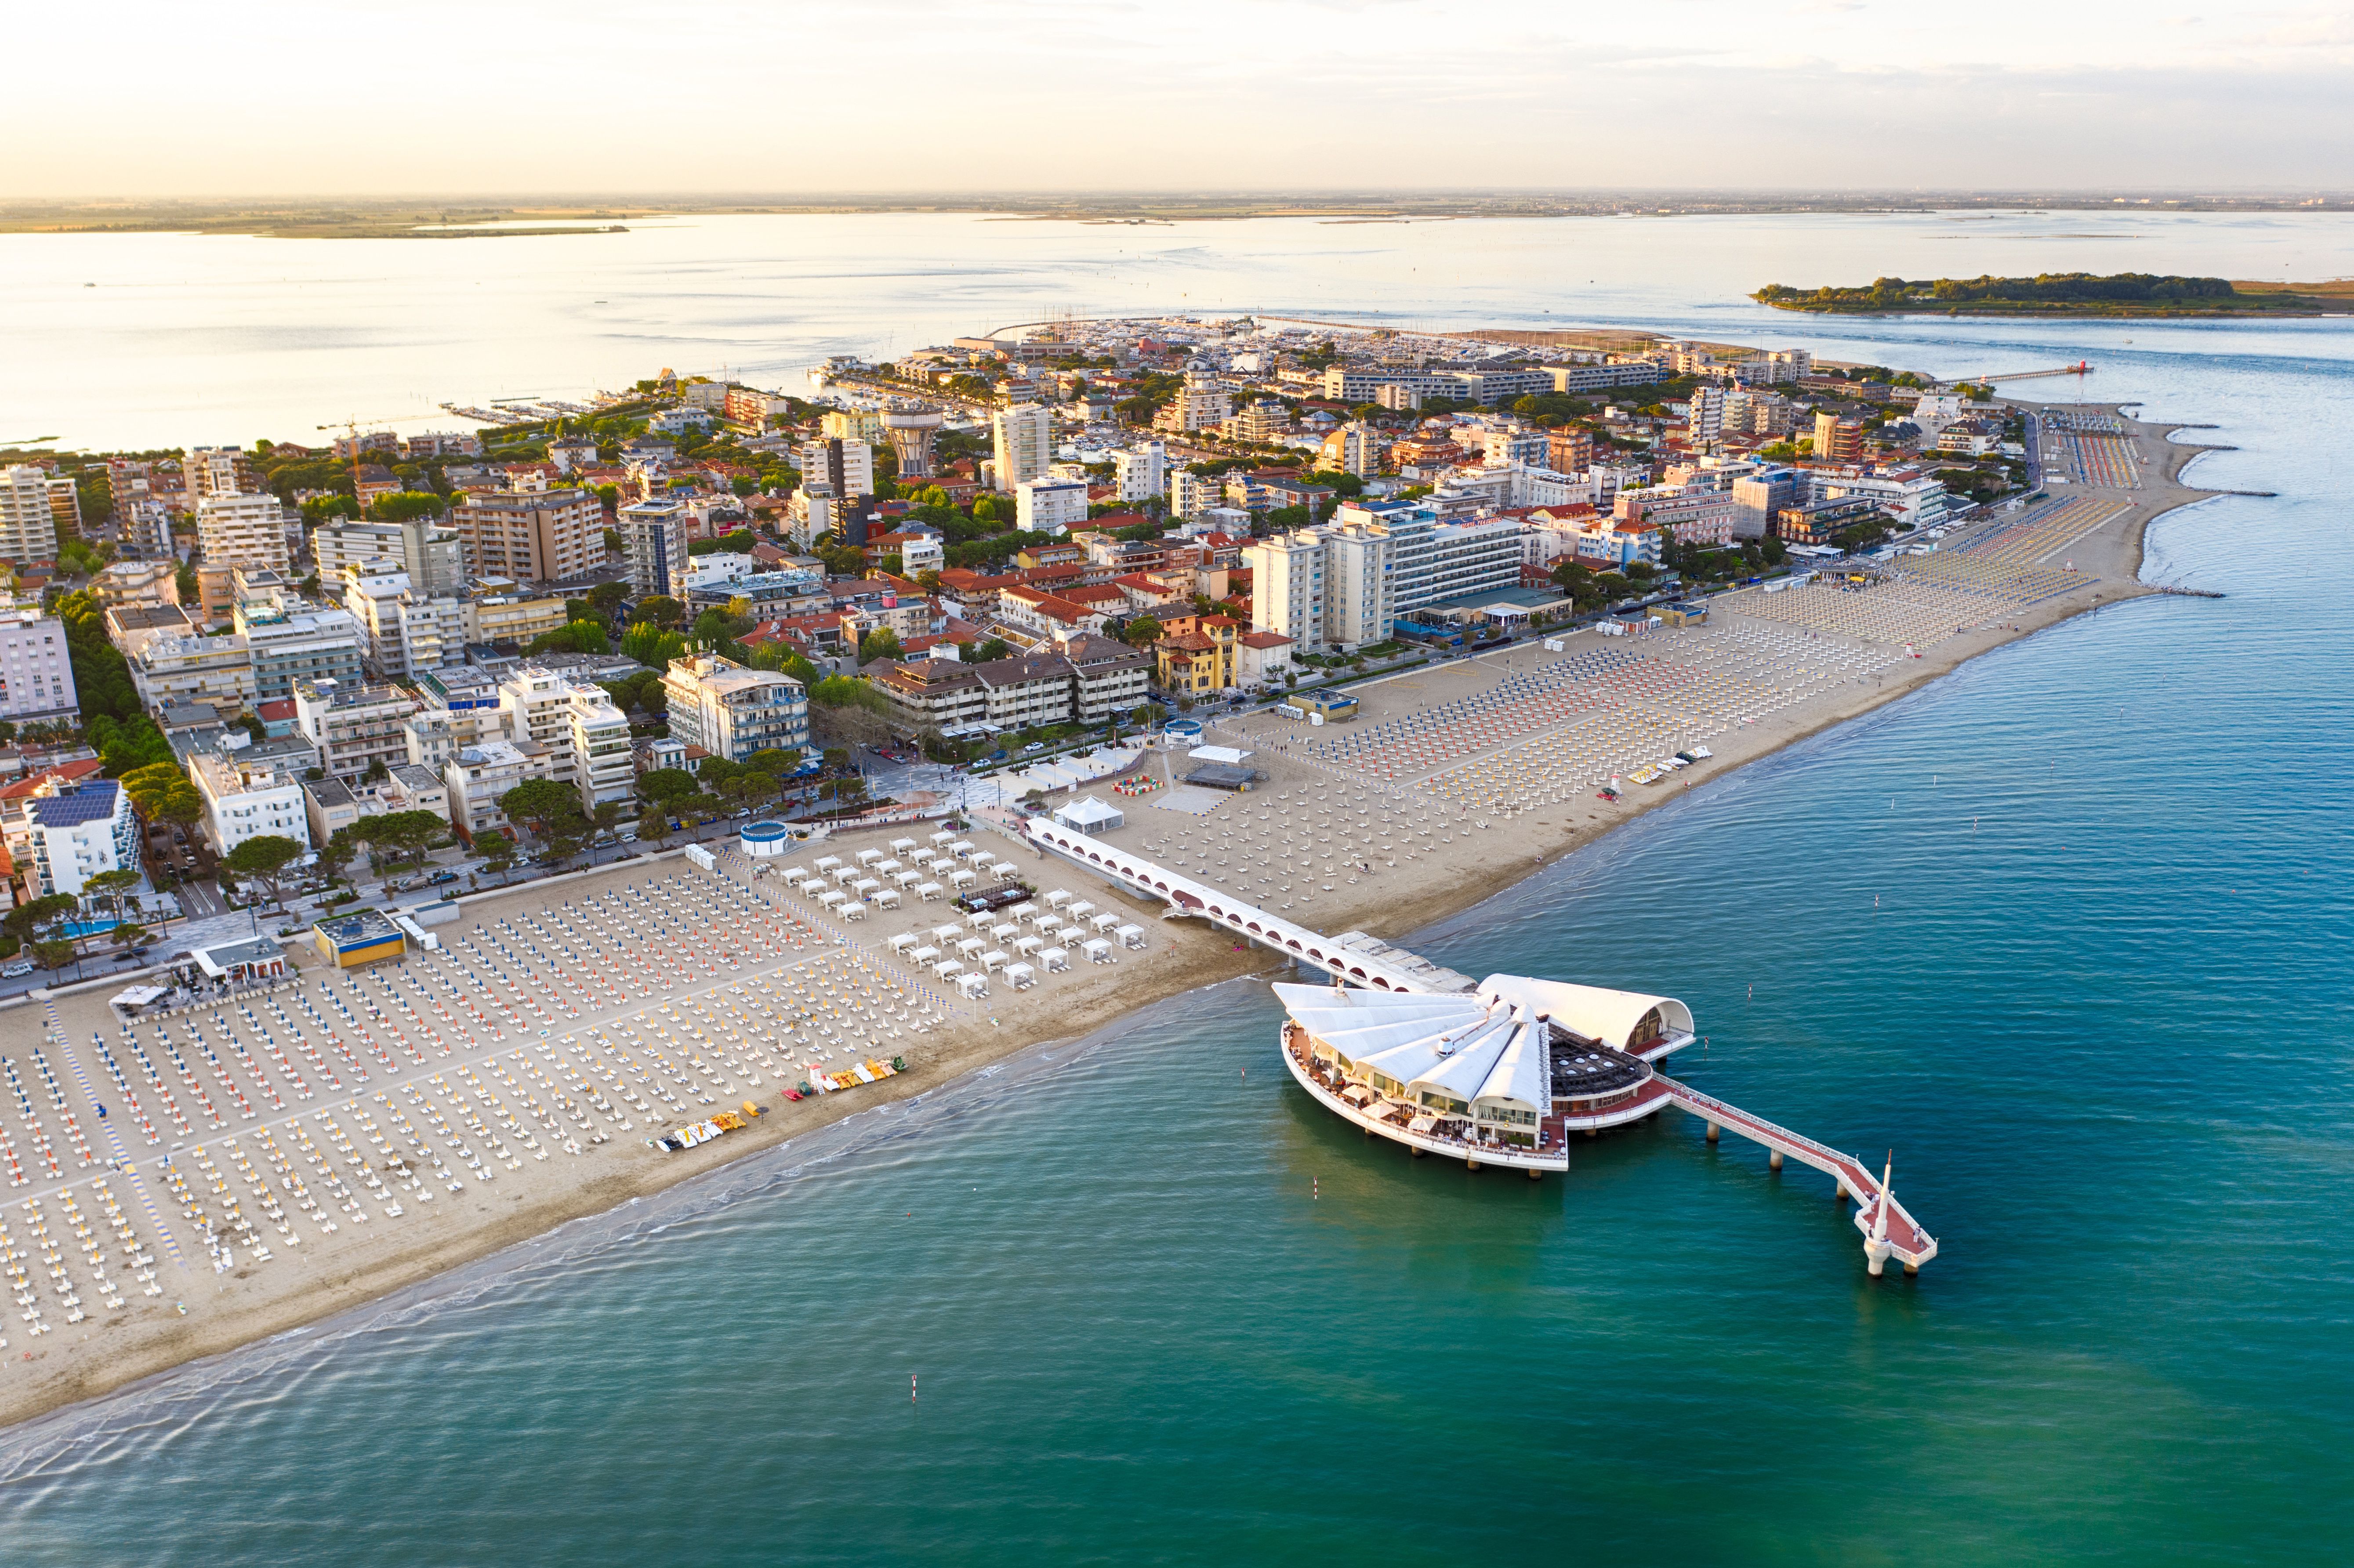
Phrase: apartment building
(84,827)
(599,738)
(247,798)
(1191,494)
(1689,517)
(1201,404)
(132,627)
(243,531)
(653,538)
(214,669)
(1050,505)
(544,535)
(219,471)
(843,464)
(1838,440)
(429,551)
(132,583)
(28,529)
(512,617)
(1022,443)
(35,669)
(1141,472)
(479,773)
(732,711)
(1288,585)
(354,727)
(403,633)
(289,641)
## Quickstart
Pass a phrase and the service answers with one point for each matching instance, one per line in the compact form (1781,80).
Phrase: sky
(791,98)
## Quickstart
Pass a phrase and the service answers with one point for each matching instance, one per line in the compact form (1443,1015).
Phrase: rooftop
(89,801)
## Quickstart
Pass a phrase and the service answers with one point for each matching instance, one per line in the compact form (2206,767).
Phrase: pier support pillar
(1842,1190)
(1712,1133)
(1774,1160)
(1876,1255)
(1470,1165)
(1912,1268)
(1414,1151)
(1537,1175)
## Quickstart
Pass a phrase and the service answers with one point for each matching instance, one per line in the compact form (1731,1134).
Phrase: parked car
(1034,745)
(16,971)
(439,878)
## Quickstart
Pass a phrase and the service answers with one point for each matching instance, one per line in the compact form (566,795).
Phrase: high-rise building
(1024,441)
(82,827)
(1201,404)
(653,539)
(1355,449)
(65,506)
(235,529)
(1141,472)
(911,428)
(1191,494)
(1358,577)
(1704,413)
(1838,440)
(218,470)
(36,672)
(1287,586)
(844,465)
(544,535)
(28,528)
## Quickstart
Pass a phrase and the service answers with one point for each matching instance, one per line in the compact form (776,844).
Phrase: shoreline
(307,1312)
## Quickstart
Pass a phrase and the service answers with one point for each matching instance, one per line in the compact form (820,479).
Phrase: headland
(257,1181)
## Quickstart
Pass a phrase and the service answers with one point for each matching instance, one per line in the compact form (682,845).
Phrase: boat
(1699,754)
(1646,776)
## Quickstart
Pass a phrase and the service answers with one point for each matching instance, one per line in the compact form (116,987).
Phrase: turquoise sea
(2067,931)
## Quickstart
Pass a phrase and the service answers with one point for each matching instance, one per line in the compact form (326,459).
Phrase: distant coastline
(477,217)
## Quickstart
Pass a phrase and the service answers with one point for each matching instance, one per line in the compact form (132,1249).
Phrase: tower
(911,428)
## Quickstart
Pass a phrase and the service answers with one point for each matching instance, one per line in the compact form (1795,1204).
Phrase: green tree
(407,834)
(665,785)
(654,825)
(607,598)
(880,643)
(1142,632)
(996,647)
(404,506)
(661,609)
(338,853)
(498,852)
(264,859)
(545,806)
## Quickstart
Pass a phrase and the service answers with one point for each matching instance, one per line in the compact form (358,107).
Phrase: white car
(15,971)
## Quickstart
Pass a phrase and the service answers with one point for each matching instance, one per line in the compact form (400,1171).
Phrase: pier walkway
(1889,1231)
(1354,959)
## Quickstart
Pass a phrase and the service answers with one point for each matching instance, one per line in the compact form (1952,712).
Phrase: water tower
(911,428)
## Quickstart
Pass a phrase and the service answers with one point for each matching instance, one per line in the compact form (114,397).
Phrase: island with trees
(2067,294)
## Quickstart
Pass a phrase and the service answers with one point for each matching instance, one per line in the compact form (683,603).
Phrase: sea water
(2065,931)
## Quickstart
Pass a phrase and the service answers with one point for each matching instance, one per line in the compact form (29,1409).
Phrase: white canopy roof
(1465,1047)
(1592,1010)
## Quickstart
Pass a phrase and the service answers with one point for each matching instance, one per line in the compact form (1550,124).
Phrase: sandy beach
(510,1084)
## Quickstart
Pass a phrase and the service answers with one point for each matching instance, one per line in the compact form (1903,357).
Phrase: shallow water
(2067,930)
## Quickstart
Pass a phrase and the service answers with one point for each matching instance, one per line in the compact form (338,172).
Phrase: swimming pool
(78,929)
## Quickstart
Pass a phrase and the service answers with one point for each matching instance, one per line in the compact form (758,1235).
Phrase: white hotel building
(1343,585)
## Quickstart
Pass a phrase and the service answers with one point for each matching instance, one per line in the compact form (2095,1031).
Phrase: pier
(1497,1072)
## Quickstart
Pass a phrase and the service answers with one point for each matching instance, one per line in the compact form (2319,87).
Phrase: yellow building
(1196,654)
(361,938)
